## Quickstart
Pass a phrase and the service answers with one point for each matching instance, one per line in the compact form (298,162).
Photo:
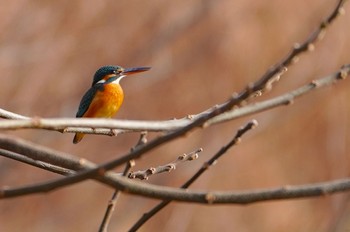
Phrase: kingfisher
(105,96)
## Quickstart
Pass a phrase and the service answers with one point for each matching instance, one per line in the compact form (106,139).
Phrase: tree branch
(36,163)
(44,154)
(285,99)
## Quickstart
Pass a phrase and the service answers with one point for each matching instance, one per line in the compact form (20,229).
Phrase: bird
(105,96)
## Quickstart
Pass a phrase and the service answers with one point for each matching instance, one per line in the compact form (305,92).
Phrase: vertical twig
(112,203)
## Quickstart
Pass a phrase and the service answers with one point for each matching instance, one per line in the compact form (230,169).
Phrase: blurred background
(200,52)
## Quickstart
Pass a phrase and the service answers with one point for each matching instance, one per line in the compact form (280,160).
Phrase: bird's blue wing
(87,99)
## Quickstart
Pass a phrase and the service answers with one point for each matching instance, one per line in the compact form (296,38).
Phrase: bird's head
(114,73)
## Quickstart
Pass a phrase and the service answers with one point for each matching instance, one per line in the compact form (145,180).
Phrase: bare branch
(298,48)
(10,115)
(44,154)
(145,174)
(36,163)
(285,99)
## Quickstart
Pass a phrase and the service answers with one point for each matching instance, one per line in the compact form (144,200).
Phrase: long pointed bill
(129,71)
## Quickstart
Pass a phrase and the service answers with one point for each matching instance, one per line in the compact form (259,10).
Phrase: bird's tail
(78,137)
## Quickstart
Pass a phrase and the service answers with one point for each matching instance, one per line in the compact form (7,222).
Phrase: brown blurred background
(201,52)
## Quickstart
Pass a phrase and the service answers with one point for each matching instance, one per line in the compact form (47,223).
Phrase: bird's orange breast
(106,102)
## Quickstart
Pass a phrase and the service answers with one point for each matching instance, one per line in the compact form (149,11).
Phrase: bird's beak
(128,71)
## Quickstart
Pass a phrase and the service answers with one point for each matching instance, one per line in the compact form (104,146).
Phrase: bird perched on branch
(105,96)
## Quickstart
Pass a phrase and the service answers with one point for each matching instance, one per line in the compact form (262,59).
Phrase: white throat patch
(101,81)
(114,82)
(118,79)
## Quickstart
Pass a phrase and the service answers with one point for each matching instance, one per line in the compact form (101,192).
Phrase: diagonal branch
(44,154)
(236,139)
(36,163)
(284,99)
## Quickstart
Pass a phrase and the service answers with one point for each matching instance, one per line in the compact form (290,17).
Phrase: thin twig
(145,174)
(284,99)
(44,154)
(236,139)
(112,203)
(36,163)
